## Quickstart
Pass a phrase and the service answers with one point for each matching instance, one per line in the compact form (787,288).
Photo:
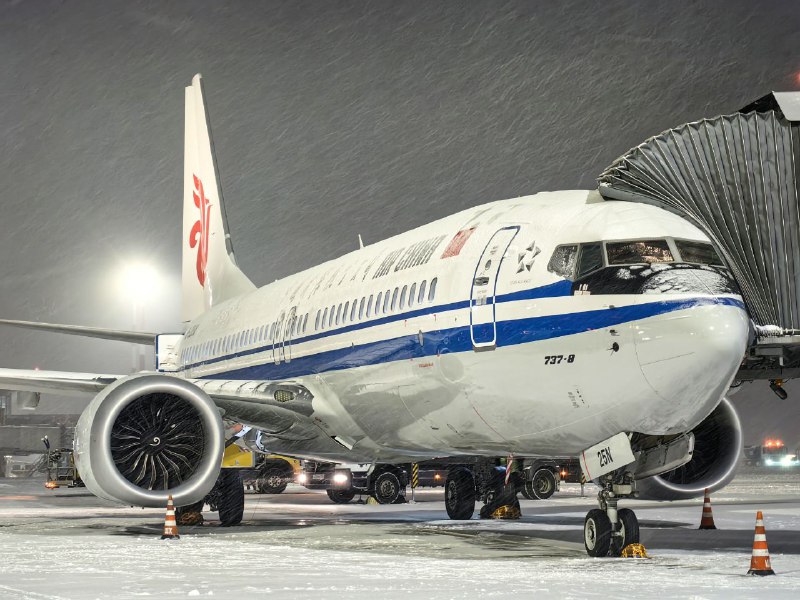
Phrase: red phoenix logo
(198,236)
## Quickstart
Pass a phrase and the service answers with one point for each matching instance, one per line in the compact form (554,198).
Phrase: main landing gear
(607,530)
(485,481)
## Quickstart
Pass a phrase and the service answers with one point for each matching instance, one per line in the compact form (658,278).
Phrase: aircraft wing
(287,396)
(31,380)
(133,337)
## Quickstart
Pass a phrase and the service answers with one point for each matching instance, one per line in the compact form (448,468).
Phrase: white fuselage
(505,356)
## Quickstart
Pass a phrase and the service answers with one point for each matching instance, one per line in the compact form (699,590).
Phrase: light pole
(138,284)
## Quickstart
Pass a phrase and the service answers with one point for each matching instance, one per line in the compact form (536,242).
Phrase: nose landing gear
(607,530)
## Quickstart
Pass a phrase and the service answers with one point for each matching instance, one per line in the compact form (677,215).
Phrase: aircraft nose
(689,354)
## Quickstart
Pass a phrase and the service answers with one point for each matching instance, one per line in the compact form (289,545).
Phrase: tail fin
(210,274)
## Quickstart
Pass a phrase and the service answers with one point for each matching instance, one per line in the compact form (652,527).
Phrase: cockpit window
(591,258)
(563,261)
(697,252)
(632,253)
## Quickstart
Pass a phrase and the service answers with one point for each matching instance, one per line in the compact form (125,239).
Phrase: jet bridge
(736,177)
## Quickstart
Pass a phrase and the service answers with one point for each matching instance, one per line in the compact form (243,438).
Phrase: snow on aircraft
(553,324)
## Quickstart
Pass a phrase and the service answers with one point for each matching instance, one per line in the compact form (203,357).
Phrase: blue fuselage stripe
(553,290)
(458,339)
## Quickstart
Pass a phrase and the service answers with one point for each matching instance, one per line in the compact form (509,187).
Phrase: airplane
(554,324)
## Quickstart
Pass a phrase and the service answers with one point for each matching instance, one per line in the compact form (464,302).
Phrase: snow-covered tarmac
(68,544)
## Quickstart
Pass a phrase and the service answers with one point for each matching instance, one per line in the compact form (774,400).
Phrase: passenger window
(432,292)
(305,322)
(324,316)
(394,298)
(411,294)
(591,259)
(369,306)
(563,261)
(353,310)
(403,297)
(338,314)
(633,253)
(378,303)
(698,252)
(421,297)
(346,310)
(316,322)
(330,317)
(361,309)
(386,302)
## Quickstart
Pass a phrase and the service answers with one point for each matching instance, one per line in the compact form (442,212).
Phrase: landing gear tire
(341,496)
(597,533)
(387,488)
(230,499)
(628,531)
(272,481)
(459,494)
(542,485)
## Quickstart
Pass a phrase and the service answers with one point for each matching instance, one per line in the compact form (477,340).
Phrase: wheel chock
(634,551)
(372,500)
(507,512)
(190,519)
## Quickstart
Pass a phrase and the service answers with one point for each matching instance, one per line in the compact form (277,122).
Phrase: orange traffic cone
(170,527)
(707,522)
(759,564)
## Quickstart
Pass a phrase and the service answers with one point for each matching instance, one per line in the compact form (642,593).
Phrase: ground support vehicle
(61,470)
(773,453)
(543,476)
(271,474)
(386,483)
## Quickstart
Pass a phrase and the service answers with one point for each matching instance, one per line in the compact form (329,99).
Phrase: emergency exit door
(483,325)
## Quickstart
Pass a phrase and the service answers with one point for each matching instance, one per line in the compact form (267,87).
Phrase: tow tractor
(772,453)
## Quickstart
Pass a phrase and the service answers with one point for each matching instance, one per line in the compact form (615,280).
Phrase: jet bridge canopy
(736,177)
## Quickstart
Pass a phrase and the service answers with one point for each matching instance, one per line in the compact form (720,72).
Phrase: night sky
(331,119)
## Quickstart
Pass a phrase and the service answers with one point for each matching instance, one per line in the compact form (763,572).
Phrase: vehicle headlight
(340,477)
(302,478)
(769,462)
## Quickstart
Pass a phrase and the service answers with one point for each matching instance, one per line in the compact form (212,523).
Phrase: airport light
(139,282)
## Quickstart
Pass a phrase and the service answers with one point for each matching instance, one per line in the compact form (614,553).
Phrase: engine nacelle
(717,447)
(146,437)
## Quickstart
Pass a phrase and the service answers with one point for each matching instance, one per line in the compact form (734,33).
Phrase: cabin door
(483,326)
(288,332)
(277,340)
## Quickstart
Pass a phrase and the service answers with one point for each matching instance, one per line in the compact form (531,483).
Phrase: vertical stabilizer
(210,274)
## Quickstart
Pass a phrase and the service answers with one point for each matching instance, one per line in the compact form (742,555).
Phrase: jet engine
(717,447)
(149,436)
